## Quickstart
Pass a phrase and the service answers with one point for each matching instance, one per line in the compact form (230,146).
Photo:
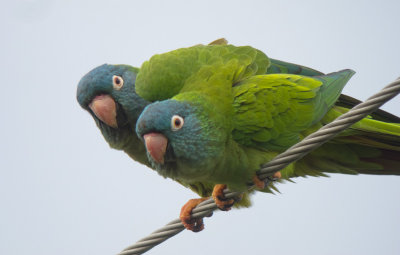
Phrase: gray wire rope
(294,153)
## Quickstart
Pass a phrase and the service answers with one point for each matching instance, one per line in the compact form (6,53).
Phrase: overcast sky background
(64,191)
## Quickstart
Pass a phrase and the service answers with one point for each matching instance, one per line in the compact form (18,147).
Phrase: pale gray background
(64,191)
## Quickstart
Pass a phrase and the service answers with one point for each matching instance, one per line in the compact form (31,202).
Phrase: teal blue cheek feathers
(179,123)
(101,80)
(107,93)
(117,84)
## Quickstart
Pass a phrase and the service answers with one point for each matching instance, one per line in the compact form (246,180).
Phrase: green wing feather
(279,66)
(271,111)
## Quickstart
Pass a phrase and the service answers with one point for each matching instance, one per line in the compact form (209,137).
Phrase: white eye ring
(118,82)
(176,122)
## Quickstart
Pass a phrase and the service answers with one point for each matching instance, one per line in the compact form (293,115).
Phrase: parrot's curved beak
(156,145)
(104,107)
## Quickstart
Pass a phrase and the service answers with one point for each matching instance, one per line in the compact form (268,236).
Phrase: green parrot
(97,91)
(108,94)
(115,108)
(222,117)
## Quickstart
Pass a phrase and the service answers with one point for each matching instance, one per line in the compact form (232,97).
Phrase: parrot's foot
(258,183)
(188,222)
(276,176)
(223,203)
(261,184)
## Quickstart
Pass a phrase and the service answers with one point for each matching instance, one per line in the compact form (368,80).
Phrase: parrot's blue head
(108,93)
(179,138)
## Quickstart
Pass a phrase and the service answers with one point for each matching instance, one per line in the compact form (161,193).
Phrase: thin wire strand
(294,153)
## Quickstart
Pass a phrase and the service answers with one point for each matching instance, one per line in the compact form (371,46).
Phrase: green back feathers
(164,75)
(272,110)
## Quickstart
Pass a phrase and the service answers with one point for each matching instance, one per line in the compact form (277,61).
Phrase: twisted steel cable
(294,153)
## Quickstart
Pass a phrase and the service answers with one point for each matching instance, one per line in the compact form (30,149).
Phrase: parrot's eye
(118,82)
(176,122)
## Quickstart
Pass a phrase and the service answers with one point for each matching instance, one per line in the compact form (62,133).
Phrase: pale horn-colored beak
(104,107)
(156,145)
